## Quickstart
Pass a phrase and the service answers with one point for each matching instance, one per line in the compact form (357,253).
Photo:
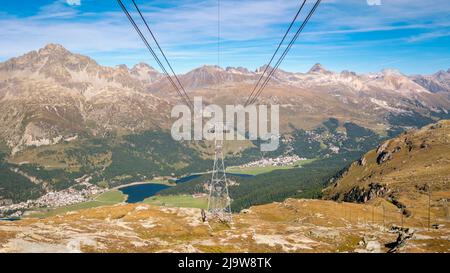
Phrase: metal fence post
(429,208)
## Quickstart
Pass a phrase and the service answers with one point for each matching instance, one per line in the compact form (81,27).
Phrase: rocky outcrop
(404,234)
(370,244)
(383,157)
(364,194)
(382,147)
(362,161)
(383,154)
(424,145)
(392,198)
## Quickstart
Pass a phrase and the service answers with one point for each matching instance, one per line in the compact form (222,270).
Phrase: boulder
(404,234)
(362,195)
(373,247)
(381,148)
(397,149)
(362,161)
(424,145)
(383,157)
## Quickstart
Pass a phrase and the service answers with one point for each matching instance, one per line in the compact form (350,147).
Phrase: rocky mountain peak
(262,68)
(318,68)
(145,72)
(51,61)
(206,70)
(239,69)
(391,72)
(51,49)
(442,74)
(143,67)
(347,73)
(211,68)
(122,67)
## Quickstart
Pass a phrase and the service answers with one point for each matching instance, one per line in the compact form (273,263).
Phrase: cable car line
(280,60)
(162,52)
(276,51)
(130,18)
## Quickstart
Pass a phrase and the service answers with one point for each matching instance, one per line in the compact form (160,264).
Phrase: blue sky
(410,35)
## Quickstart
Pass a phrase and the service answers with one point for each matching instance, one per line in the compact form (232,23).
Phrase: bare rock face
(381,148)
(383,154)
(404,234)
(370,244)
(146,73)
(362,161)
(383,157)
(38,134)
(318,68)
(363,194)
(5,202)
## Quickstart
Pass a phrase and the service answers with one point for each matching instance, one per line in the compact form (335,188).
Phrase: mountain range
(51,95)
(64,116)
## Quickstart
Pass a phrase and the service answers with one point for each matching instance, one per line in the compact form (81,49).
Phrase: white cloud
(250,29)
(428,36)
(74,2)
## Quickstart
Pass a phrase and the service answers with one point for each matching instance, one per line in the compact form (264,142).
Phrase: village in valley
(79,193)
(278,161)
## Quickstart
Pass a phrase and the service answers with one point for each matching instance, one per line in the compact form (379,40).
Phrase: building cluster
(278,161)
(82,193)
(334,148)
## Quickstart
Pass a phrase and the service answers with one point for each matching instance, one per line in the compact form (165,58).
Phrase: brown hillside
(406,171)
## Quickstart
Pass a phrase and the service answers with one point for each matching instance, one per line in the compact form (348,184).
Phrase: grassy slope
(427,164)
(115,196)
(186,201)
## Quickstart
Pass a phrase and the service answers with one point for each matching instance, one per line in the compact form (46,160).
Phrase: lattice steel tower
(219,200)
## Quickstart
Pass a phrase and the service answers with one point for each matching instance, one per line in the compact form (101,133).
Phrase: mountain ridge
(52,49)
(94,94)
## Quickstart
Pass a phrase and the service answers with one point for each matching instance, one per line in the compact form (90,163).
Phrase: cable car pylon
(219,201)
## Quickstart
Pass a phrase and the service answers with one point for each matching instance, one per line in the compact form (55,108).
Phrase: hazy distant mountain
(439,82)
(318,68)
